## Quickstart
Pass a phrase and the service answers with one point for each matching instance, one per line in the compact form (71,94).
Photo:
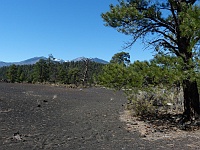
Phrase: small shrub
(151,101)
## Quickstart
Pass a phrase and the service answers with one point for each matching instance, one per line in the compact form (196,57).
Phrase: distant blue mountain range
(36,59)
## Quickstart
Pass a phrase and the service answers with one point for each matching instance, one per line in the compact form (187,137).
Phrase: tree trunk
(191,100)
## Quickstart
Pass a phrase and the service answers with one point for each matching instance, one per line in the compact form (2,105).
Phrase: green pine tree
(171,27)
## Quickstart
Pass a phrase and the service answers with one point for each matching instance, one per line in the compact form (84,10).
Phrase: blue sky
(65,28)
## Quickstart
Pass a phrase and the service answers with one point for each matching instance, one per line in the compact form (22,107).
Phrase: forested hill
(48,70)
(36,59)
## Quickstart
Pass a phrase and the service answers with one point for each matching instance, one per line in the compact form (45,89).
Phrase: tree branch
(165,35)
(165,43)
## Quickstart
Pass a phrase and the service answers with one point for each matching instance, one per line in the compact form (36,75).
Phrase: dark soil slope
(46,117)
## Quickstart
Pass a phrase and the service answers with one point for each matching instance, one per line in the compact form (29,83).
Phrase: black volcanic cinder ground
(34,117)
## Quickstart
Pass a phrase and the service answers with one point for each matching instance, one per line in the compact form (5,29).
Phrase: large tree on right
(172,27)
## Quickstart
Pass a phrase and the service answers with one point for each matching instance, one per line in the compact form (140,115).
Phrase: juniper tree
(171,27)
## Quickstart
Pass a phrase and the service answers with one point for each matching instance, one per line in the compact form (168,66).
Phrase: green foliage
(114,75)
(160,71)
(74,74)
(191,23)
(174,29)
(62,75)
(53,72)
(12,73)
(52,69)
(177,32)
(121,58)
(41,73)
(3,72)
(146,83)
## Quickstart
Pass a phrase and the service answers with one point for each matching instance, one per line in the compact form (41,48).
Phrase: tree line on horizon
(83,72)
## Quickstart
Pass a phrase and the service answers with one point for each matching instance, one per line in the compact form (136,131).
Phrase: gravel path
(34,117)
